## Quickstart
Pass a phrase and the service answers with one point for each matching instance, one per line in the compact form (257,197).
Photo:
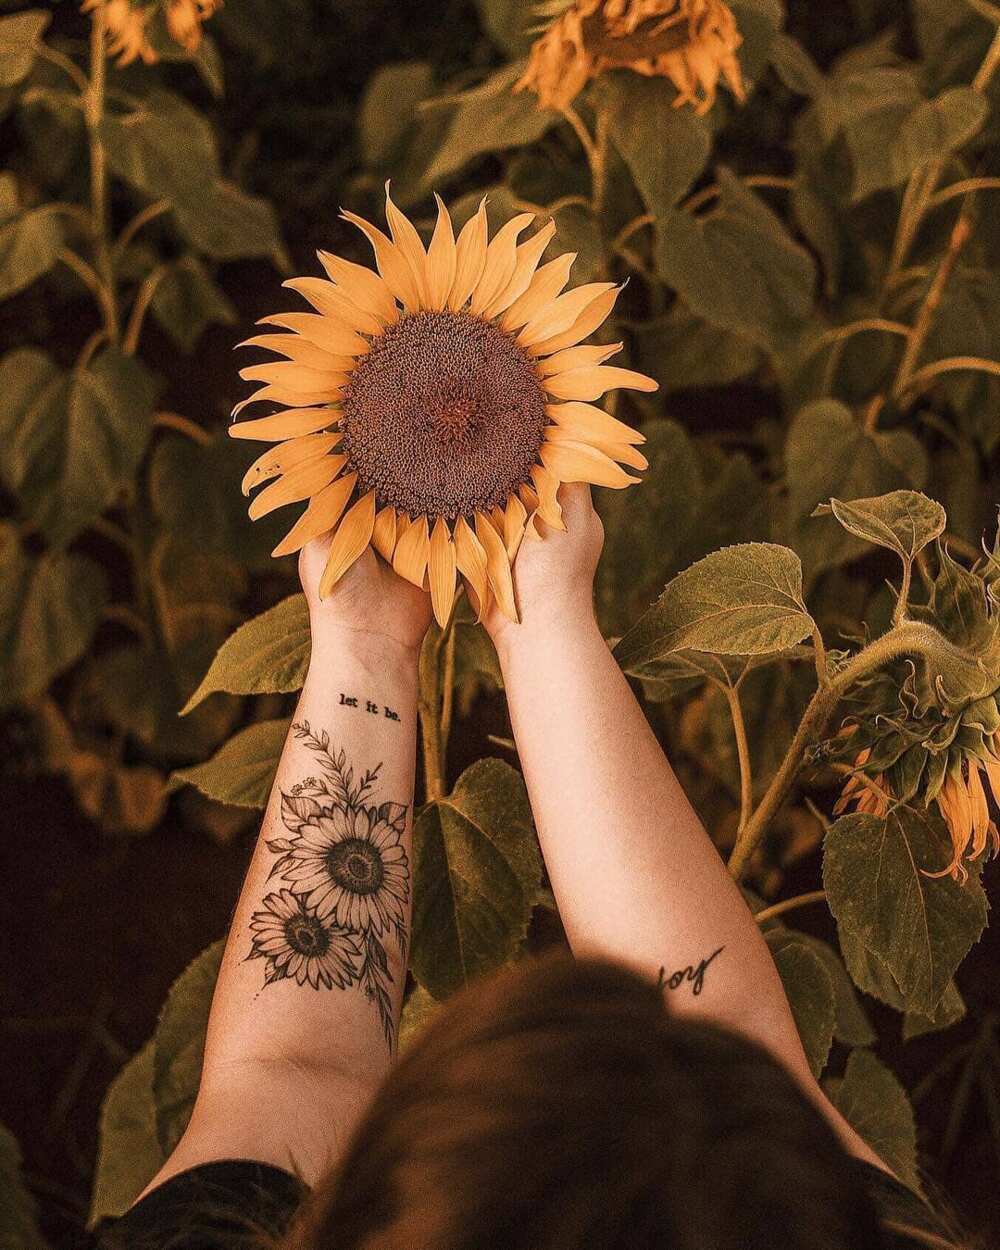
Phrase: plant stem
(963,187)
(140,307)
(742,749)
(429,711)
(447,693)
(68,67)
(142,218)
(582,133)
(93,114)
(789,904)
(950,364)
(183,425)
(899,611)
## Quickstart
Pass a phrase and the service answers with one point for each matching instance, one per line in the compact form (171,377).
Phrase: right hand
(554,575)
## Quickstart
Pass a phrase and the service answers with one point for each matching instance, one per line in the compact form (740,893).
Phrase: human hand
(370,600)
(553,575)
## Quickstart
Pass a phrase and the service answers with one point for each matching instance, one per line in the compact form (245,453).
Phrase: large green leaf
(683,351)
(386,111)
(72,440)
(179,1045)
(19,33)
(227,223)
(476,872)
(810,993)
(49,609)
(508,22)
(919,927)
(128,1152)
(851,1025)
(875,1104)
(905,521)
(737,266)
(742,600)
(935,128)
(28,248)
(186,302)
(18,1210)
(242,771)
(267,655)
(417,1011)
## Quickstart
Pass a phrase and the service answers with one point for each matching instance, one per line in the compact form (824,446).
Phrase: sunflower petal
(295,347)
(497,567)
(546,488)
(284,425)
(501,261)
(528,255)
(515,518)
(365,289)
(980,810)
(479,604)
(588,423)
(323,513)
(441,570)
(384,533)
(557,316)
(470,556)
(593,381)
(331,302)
(323,331)
(408,242)
(352,537)
(298,483)
(529,496)
(441,258)
(287,396)
(624,452)
(285,456)
(579,462)
(412,551)
(298,377)
(544,287)
(577,358)
(589,320)
(470,258)
(392,264)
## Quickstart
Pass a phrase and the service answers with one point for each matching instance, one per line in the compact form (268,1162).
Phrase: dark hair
(558,1105)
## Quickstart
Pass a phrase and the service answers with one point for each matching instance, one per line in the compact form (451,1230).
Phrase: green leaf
(920,928)
(810,994)
(875,1104)
(417,1011)
(949,1011)
(186,302)
(72,440)
(665,148)
(385,114)
(795,67)
(227,223)
(905,521)
(489,118)
(829,453)
(742,600)
(242,771)
(476,871)
(18,1210)
(128,1152)
(49,610)
(935,128)
(508,22)
(18,35)
(682,351)
(851,1025)
(28,247)
(737,266)
(268,655)
(179,1045)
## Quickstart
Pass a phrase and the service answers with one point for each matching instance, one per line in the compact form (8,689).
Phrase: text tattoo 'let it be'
(351,700)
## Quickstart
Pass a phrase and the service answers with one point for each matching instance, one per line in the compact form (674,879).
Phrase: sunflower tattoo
(348,881)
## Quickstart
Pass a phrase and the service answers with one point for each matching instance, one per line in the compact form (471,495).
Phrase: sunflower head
(127,25)
(691,42)
(432,409)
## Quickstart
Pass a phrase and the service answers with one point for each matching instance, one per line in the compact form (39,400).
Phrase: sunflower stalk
(430,708)
(94,114)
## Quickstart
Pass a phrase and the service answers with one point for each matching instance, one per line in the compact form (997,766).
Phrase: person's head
(559,1105)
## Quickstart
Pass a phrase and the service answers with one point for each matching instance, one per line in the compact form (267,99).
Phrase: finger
(576,501)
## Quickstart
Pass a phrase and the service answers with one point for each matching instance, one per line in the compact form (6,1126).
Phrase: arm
(634,873)
(304,1017)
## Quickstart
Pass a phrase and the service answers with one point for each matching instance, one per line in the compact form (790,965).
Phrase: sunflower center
(306,935)
(356,866)
(443,416)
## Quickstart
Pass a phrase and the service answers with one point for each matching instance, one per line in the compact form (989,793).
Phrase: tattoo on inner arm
(348,880)
(695,973)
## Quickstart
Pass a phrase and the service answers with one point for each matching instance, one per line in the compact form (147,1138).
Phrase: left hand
(370,599)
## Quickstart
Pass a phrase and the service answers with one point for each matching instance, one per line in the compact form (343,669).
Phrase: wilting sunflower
(434,407)
(691,42)
(127,25)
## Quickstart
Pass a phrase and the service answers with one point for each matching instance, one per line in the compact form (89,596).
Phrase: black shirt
(222,1204)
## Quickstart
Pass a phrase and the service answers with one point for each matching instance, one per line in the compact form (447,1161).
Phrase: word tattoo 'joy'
(693,973)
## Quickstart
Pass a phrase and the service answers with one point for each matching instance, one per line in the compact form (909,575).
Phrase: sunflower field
(796,209)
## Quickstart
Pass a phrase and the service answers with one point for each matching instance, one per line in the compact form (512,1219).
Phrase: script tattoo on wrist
(348,880)
(369,706)
(695,973)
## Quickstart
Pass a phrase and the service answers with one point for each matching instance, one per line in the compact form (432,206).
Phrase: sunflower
(296,943)
(348,863)
(434,407)
(691,42)
(184,19)
(125,27)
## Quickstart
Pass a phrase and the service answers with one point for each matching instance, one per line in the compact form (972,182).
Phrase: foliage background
(123,572)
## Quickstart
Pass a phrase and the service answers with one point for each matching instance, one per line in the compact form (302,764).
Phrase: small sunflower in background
(127,25)
(433,408)
(691,42)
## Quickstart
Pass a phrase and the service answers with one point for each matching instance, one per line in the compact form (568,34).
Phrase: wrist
(553,626)
(334,642)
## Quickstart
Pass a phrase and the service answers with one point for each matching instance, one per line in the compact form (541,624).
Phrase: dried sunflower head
(184,19)
(434,407)
(691,42)
(127,25)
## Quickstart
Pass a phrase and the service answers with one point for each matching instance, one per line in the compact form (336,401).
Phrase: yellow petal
(577,358)
(441,259)
(624,452)
(479,604)
(593,381)
(323,513)
(295,347)
(514,519)
(470,258)
(287,396)
(412,550)
(548,506)
(470,556)
(384,533)
(323,331)
(579,462)
(588,321)
(286,424)
(980,810)
(560,314)
(497,567)
(286,456)
(298,377)
(528,255)
(496,516)
(364,288)
(406,239)
(544,287)
(352,537)
(392,264)
(441,571)
(298,483)
(333,303)
(501,260)
(529,496)
(589,423)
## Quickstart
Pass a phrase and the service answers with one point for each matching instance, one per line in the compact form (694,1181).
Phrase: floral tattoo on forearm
(348,881)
